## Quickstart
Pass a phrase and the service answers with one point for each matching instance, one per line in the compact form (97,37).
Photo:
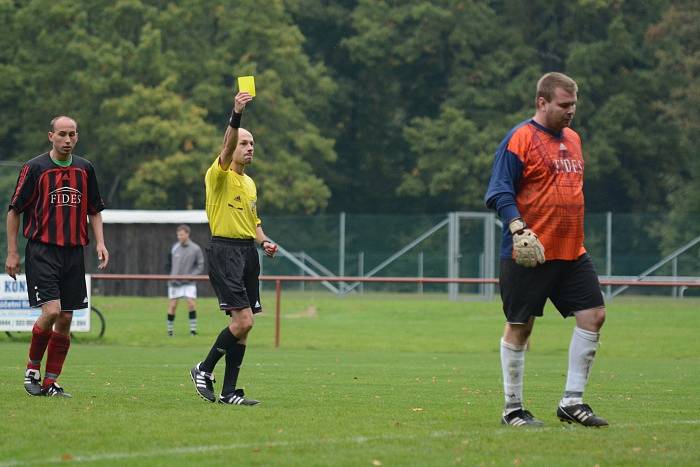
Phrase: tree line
(367,106)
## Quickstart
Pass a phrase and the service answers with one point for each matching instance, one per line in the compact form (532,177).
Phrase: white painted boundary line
(112,456)
(225,447)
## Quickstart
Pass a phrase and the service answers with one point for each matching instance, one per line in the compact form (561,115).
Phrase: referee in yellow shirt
(233,258)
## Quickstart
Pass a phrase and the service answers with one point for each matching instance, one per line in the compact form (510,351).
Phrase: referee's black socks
(233,366)
(225,344)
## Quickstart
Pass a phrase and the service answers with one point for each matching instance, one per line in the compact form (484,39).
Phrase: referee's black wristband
(235,120)
(262,244)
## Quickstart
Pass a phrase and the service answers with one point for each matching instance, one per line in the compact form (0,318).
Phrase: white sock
(582,350)
(513,365)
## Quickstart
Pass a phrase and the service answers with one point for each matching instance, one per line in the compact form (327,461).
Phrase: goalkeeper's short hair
(549,82)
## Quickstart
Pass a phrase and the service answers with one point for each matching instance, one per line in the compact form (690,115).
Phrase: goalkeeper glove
(528,251)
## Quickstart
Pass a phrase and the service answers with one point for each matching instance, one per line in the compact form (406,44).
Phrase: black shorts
(571,286)
(234,267)
(55,273)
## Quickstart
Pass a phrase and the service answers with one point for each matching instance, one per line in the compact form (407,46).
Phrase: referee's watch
(516,225)
(262,244)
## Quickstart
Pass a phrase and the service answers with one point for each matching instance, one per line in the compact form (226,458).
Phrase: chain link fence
(355,244)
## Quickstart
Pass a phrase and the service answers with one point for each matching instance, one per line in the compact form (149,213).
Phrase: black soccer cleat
(237,398)
(54,390)
(521,417)
(32,382)
(581,414)
(193,333)
(203,383)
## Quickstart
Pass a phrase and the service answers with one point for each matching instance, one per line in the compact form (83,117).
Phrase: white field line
(110,456)
(187,450)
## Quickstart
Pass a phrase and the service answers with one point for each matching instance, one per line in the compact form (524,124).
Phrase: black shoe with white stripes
(520,417)
(54,390)
(580,413)
(237,397)
(32,382)
(203,383)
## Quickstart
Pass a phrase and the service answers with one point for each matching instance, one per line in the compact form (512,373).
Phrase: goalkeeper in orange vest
(537,189)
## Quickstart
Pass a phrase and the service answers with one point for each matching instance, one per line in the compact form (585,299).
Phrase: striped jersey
(538,175)
(55,201)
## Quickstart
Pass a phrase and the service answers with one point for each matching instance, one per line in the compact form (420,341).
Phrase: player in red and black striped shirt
(56,192)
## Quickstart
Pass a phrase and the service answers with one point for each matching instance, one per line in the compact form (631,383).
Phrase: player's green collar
(62,163)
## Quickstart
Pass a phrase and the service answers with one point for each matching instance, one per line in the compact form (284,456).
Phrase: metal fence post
(490,254)
(341,251)
(361,269)
(452,254)
(302,258)
(420,271)
(674,273)
(278,311)
(608,251)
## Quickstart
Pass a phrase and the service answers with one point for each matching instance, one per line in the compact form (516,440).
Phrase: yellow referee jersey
(230,203)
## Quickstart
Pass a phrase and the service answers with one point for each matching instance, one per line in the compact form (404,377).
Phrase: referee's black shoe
(581,414)
(237,397)
(521,417)
(203,383)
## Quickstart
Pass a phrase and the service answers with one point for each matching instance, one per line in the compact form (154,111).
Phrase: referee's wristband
(262,244)
(235,120)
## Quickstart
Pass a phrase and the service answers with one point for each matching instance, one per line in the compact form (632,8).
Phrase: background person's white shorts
(180,291)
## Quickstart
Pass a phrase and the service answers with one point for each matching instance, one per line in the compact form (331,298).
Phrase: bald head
(63,135)
(62,120)
(243,154)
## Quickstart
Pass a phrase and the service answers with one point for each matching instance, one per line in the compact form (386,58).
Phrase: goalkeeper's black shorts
(571,286)
(234,267)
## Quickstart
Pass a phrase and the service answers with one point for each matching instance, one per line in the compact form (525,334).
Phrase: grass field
(363,380)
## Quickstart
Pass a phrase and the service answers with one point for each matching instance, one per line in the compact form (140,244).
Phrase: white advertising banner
(17,315)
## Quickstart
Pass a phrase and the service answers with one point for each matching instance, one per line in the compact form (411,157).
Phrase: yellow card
(246,84)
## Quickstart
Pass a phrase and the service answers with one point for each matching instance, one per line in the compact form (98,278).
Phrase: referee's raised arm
(234,123)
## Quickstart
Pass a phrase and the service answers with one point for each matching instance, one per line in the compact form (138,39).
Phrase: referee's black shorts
(55,273)
(234,267)
(571,286)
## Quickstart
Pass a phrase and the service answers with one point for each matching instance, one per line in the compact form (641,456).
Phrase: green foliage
(448,154)
(152,131)
(676,44)
(151,84)
(351,93)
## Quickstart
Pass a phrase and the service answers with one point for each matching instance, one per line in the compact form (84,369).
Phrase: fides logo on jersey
(565,164)
(65,196)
